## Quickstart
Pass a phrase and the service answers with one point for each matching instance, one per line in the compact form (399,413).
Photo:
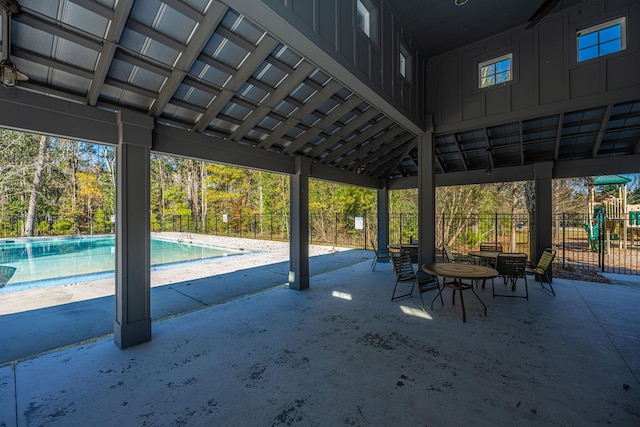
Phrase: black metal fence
(337,229)
(581,241)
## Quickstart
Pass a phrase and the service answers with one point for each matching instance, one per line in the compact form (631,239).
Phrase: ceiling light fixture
(460,2)
(9,74)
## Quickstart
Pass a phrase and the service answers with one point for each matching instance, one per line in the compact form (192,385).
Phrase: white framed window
(495,71)
(602,39)
(367,18)
(404,64)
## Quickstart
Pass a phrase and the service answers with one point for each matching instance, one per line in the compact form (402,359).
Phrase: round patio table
(459,272)
(487,258)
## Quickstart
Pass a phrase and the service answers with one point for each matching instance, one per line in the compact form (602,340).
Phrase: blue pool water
(45,262)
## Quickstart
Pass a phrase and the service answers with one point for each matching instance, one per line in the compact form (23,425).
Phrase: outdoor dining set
(462,272)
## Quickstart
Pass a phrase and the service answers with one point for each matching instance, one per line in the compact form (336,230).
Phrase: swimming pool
(66,259)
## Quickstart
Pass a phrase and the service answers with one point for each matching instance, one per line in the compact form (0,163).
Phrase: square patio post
(132,323)
(299,242)
(543,174)
(383,220)
(426,199)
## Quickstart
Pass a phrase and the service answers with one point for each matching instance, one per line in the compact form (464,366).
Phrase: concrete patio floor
(341,353)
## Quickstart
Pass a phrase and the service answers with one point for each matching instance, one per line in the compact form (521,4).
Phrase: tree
(458,210)
(35,186)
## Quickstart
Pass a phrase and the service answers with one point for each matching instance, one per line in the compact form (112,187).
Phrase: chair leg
(440,289)
(526,287)
(393,295)
(548,281)
(464,313)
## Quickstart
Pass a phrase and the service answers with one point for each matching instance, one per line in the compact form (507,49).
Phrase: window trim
(371,27)
(495,60)
(622,21)
(366,27)
(403,54)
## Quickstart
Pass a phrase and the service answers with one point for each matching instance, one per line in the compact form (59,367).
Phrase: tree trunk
(29,225)
(203,195)
(110,165)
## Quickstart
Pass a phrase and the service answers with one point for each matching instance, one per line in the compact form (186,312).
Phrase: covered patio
(342,353)
(363,92)
(373,93)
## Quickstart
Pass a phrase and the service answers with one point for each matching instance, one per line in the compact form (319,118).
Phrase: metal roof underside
(201,66)
(606,131)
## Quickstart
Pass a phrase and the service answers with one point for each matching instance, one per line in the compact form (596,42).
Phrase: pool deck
(342,353)
(39,320)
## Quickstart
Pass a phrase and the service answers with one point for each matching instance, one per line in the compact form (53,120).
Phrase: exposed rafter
(369,146)
(198,41)
(318,99)
(603,127)
(271,102)
(556,151)
(384,145)
(368,133)
(345,131)
(262,51)
(108,50)
(330,118)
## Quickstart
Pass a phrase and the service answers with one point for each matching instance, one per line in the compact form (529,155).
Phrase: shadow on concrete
(33,332)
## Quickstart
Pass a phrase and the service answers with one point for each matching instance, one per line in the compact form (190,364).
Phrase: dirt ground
(571,273)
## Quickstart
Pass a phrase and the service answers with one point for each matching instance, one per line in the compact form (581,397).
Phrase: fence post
(364,227)
(400,237)
(444,217)
(496,228)
(255,226)
(271,225)
(336,231)
(564,239)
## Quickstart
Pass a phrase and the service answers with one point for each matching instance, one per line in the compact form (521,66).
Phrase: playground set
(613,219)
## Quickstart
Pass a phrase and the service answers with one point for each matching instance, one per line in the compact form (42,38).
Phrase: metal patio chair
(511,266)
(451,257)
(404,274)
(542,268)
(378,256)
(492,247)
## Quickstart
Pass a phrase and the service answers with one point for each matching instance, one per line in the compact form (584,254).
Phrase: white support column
(299,242)
(383,220)
(132,324)
(544,209)
(426,199)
